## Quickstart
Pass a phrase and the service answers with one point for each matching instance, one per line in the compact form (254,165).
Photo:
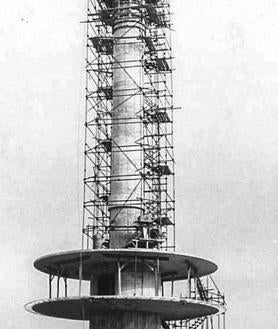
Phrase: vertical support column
(156,277)
(50,279)
(58,286)
(172,285)
(195,288)
(189,282)
(142,277)
(119,277)
(66,287)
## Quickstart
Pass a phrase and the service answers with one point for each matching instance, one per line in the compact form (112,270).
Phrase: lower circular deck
(67,264)
(84,308)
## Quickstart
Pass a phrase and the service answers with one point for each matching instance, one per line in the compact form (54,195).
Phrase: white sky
(226,148)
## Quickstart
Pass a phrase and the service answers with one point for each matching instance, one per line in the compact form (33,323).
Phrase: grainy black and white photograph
(139,164)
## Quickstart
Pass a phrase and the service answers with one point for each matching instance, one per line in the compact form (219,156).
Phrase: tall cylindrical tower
(135,280)
(128,27)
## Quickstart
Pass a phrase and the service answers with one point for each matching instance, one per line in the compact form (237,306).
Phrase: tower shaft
(126,159)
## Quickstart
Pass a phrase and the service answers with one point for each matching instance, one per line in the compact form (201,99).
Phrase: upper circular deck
(172,266)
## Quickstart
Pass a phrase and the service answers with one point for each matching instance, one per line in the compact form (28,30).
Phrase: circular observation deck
(85,308)
(172,266)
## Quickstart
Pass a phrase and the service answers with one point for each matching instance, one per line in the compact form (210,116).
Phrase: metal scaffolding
(154,227)
(154,178)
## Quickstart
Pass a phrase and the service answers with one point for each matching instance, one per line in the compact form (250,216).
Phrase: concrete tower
(134,277)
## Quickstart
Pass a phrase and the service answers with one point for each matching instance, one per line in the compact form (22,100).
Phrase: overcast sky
(226,148)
